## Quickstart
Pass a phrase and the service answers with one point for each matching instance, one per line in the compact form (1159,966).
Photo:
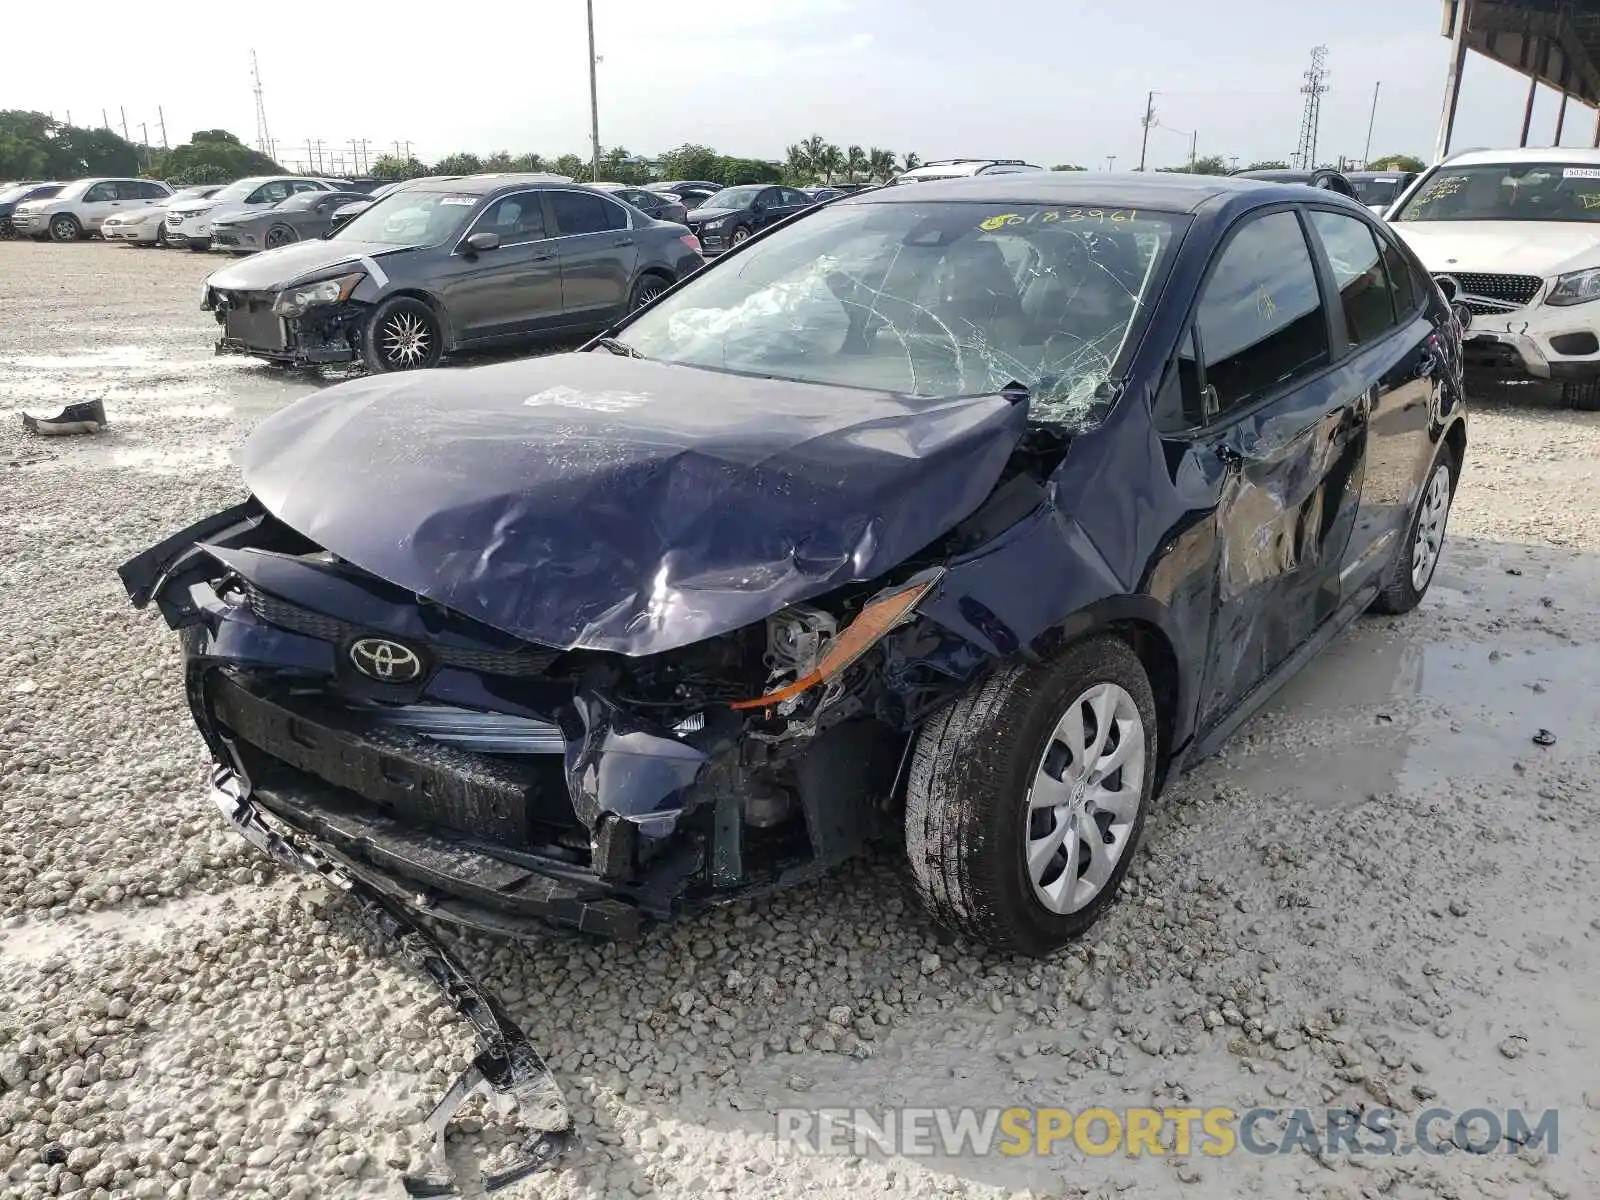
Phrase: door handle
(623,242)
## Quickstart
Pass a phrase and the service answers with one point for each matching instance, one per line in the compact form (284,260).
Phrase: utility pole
(69,118)
(1111,161)
(1194,140)
(1149,120)
(263,137)
(594,100)
(162,117)
(124,113)
(1366,156)
(1233,161)
(105,121)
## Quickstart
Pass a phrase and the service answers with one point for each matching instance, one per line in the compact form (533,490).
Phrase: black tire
(279,235)
(384,346)
(64,227)
(1398,592)
(161,242)
(967,796)
(1581,395)
(199,245)
(739,236)
(7,232)
(647,288)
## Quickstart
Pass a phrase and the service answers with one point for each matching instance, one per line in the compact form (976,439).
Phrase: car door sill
(1205,746)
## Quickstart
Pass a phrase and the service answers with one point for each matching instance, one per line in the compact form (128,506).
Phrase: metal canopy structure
(1553,42)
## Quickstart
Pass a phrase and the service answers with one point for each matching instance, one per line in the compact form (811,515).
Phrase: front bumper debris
(507,1071)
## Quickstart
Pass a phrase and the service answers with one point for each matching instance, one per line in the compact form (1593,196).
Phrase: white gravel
(1382,892)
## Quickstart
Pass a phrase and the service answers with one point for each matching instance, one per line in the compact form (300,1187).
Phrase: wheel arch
(434,304)
(1455,436)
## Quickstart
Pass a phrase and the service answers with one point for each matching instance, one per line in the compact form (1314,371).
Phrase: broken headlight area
(313,324)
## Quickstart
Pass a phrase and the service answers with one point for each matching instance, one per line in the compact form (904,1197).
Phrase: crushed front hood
(273,269)
(589,500)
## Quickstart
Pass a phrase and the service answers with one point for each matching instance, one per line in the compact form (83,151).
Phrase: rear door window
(1358,272)
(585,212)
(1262,325)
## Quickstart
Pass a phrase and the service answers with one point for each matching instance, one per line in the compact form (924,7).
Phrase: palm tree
(829,161)
(910,162)
(797,162)
(880,164)
(531,163)
(855,159)
(814,146)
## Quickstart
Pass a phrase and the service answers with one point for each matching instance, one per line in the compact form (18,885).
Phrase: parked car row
(445,265)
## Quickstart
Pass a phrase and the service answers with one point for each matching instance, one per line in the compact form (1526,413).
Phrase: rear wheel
(64,227)
(403,334)
(646,290)
(279,235)
(1027,796)
(1411,569)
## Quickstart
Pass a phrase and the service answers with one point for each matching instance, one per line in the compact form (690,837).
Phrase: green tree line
(34,146)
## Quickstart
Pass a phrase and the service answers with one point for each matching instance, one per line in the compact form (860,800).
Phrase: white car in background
(961,168)
(1512,237)
(147,226)
(81,208)
(189,221)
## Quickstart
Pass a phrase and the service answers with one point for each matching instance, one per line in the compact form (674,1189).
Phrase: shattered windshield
(932,299)
(1507,192)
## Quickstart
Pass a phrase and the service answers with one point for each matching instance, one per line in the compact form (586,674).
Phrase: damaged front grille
(520,664)
(516,801)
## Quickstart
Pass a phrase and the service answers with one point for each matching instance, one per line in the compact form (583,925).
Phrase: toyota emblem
(385,661)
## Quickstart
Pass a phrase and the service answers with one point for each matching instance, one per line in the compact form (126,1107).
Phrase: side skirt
(1208,744)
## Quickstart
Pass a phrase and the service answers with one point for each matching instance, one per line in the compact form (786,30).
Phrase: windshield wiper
(616,347)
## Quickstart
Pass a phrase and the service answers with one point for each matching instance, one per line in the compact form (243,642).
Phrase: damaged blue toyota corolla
(966,514)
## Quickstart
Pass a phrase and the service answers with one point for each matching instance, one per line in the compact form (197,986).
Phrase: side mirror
(479,242)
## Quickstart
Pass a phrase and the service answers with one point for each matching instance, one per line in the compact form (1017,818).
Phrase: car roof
(482,185)
(1155,190)
(1575,155)
(1377,174)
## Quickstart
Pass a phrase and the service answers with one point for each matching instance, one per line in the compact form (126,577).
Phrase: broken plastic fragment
(87,417)
(507,1071)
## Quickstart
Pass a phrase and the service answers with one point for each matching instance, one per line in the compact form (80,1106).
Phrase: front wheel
(740,236)
(64,227)
(279,235)
(1027,796)
(403,334)
(1410,571)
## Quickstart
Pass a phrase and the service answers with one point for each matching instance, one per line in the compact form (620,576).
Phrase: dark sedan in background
(692,192)
(663,206)
(735,214)
(1379,189)
(17,193)
(449,265)
(300,218)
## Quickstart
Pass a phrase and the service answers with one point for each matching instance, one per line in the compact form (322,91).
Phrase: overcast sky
(1042,80)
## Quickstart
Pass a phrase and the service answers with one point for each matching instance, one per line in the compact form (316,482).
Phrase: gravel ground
(1382,892)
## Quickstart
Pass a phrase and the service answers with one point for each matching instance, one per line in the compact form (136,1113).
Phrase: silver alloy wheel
(1085,798)
(405,340)
(1431,518)
(649,289)
(64,229)
(741,236)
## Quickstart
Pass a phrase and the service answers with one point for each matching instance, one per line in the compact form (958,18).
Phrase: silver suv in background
(961,168)
(189,221)
(81,208)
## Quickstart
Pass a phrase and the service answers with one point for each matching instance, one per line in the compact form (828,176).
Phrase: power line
(1311,117)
